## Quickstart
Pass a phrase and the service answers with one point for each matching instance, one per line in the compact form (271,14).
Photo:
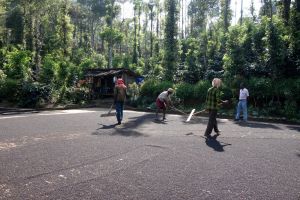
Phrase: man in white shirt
(162,101)
(242,104)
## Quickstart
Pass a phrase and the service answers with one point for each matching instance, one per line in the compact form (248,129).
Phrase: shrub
(49,70)
(76,95)
(290,109)
(260,90)
(31,93)
(200,90)
(152,88)
(9,90)
(17,64)
(184,91)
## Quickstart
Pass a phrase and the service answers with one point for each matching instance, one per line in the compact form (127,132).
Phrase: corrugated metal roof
(108,72)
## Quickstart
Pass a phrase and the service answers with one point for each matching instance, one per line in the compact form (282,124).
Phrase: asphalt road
(76,154)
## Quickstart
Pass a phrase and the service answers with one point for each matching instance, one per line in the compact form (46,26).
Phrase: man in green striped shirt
(213,102)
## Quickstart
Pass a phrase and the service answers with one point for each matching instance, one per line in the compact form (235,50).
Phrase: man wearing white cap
(163,100)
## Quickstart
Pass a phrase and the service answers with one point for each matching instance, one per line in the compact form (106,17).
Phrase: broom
(194,113)
(109,112)
(173,108)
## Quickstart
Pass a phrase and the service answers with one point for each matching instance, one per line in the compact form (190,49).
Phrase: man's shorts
(160,104)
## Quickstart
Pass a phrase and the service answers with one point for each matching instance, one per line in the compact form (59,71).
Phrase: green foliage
(112,35)
(184,91)
(170,43)
(290,109)
(193,69)
(260,89)
(76,95)
(2,77)
(17,64)
(9,90)
(200,90)
(152,88)
(31,93)
(275,51)
(49,70)
(90,62)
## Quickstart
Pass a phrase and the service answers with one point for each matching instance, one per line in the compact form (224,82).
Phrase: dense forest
(45,47)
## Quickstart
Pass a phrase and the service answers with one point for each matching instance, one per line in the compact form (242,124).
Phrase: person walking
(119,98)
(213,102)
(242,104)
(163,101)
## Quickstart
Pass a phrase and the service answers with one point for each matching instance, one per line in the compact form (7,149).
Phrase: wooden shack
(102,81)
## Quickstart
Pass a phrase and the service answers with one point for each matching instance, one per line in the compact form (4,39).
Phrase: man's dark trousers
(212,122)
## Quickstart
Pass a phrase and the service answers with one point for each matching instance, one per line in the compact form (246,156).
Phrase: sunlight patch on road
(6,146)
(14,143)
(64,112)
(49,113)
(5,191)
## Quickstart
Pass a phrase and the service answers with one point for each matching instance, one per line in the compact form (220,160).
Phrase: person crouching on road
(163,100)
(119,98)
(213,102)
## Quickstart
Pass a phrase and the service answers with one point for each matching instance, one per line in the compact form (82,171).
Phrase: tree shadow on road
(213,143)
(295,128)
(158,121)
(128,128)
(257,125)
(107,126)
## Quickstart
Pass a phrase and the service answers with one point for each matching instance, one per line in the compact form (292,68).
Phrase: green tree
(170,42)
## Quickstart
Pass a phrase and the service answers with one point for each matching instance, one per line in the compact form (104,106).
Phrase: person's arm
(115,95)
(219,100)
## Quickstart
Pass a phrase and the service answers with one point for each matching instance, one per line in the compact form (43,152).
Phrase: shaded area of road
(77,154)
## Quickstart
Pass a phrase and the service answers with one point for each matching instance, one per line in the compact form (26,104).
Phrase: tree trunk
(241,22)
(92,33)
(134,57)
(138,34)
(182,29)
(157,31)
(226,14)
(151,36)
(286,11)
(298,6)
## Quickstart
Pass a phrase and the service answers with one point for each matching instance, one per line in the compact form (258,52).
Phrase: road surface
(76,154)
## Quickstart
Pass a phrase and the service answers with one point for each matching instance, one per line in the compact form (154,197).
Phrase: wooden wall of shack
(102,81)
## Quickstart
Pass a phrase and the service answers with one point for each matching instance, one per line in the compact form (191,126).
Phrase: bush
(152,88)
(49,70)
(9,90)
(290,109)
(133,92)
(76,95)
(260,90)
(200,90)
(184,91)
(31,93)
(17,64)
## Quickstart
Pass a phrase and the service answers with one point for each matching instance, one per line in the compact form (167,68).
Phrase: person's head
(170,91)
(242,86)
(216,82)
(119,76)
(120,81)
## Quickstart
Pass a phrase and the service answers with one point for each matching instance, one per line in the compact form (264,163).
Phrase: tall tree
(252,10)
(170,41)
(112,35)
(241,20)
(151,5)
(285,6)
(225,13)
(2,21)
